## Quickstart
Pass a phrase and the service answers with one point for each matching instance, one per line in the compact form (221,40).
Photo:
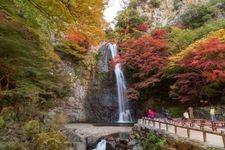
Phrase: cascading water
(124,112)
(101,145)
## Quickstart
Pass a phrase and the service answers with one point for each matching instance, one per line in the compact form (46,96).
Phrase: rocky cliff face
(74,105)
(93,94)
(165,12)
(102,94)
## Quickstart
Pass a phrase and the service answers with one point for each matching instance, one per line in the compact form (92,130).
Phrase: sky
(113,7)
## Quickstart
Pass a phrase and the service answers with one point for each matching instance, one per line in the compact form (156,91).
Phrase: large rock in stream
(86,136)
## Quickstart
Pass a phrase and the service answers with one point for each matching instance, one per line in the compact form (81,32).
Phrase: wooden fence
(158,123)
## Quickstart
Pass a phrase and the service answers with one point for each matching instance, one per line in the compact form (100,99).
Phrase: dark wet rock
(132,143)
(102,94)
(91,142)
(110,146)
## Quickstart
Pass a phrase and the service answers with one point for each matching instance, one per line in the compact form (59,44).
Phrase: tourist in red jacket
(151,114)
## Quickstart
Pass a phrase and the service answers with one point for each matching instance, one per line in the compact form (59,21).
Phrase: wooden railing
(188,125)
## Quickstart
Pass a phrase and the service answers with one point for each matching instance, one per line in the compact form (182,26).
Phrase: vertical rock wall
(102,93)
(93,93)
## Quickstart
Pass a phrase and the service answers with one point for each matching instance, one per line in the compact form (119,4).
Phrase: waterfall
(124,112)
(101,145)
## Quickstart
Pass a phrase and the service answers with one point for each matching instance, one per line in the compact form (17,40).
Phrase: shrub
(13,146)
(129,17)
(179,39)
(32,127)
(175,112)
(154,142)
(2,122)
(143,27)
(58,120)
(177,4)
(8,113)
(155,3)
(51,141)
(133,4)
(196,15)
(218,3)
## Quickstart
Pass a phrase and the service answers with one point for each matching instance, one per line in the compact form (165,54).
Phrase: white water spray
(124,112)
(101,145)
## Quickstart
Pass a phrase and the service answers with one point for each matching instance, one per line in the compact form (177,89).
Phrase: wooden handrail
(204,131)
(173,124)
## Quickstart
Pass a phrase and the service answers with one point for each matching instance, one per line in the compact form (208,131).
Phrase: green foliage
(175,112)
(196,15)
(179,39)
(136,136)
(155,3)
(29,67)
(50,141)
(130,23)
(129,17)
(73,51)
(177,4)
(7,113)
(220,4)
(2,122)
(13,146)
(58,121)
(154,142)
(133,4)
(32,127)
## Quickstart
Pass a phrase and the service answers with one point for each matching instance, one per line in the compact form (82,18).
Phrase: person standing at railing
(165,114)
(190,111)
(151,114)
(185,115)
(212,114)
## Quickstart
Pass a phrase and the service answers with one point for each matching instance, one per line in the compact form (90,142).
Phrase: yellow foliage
(51,141)
(85,15)
(58,121)
(219,34)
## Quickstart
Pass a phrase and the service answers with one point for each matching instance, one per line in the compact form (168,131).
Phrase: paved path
(212,139)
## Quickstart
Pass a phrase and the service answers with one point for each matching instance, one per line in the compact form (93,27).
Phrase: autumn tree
(144,59)
(203,74)
(30,32)
(66,21)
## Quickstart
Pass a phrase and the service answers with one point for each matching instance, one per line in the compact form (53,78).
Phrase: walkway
(195,130)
